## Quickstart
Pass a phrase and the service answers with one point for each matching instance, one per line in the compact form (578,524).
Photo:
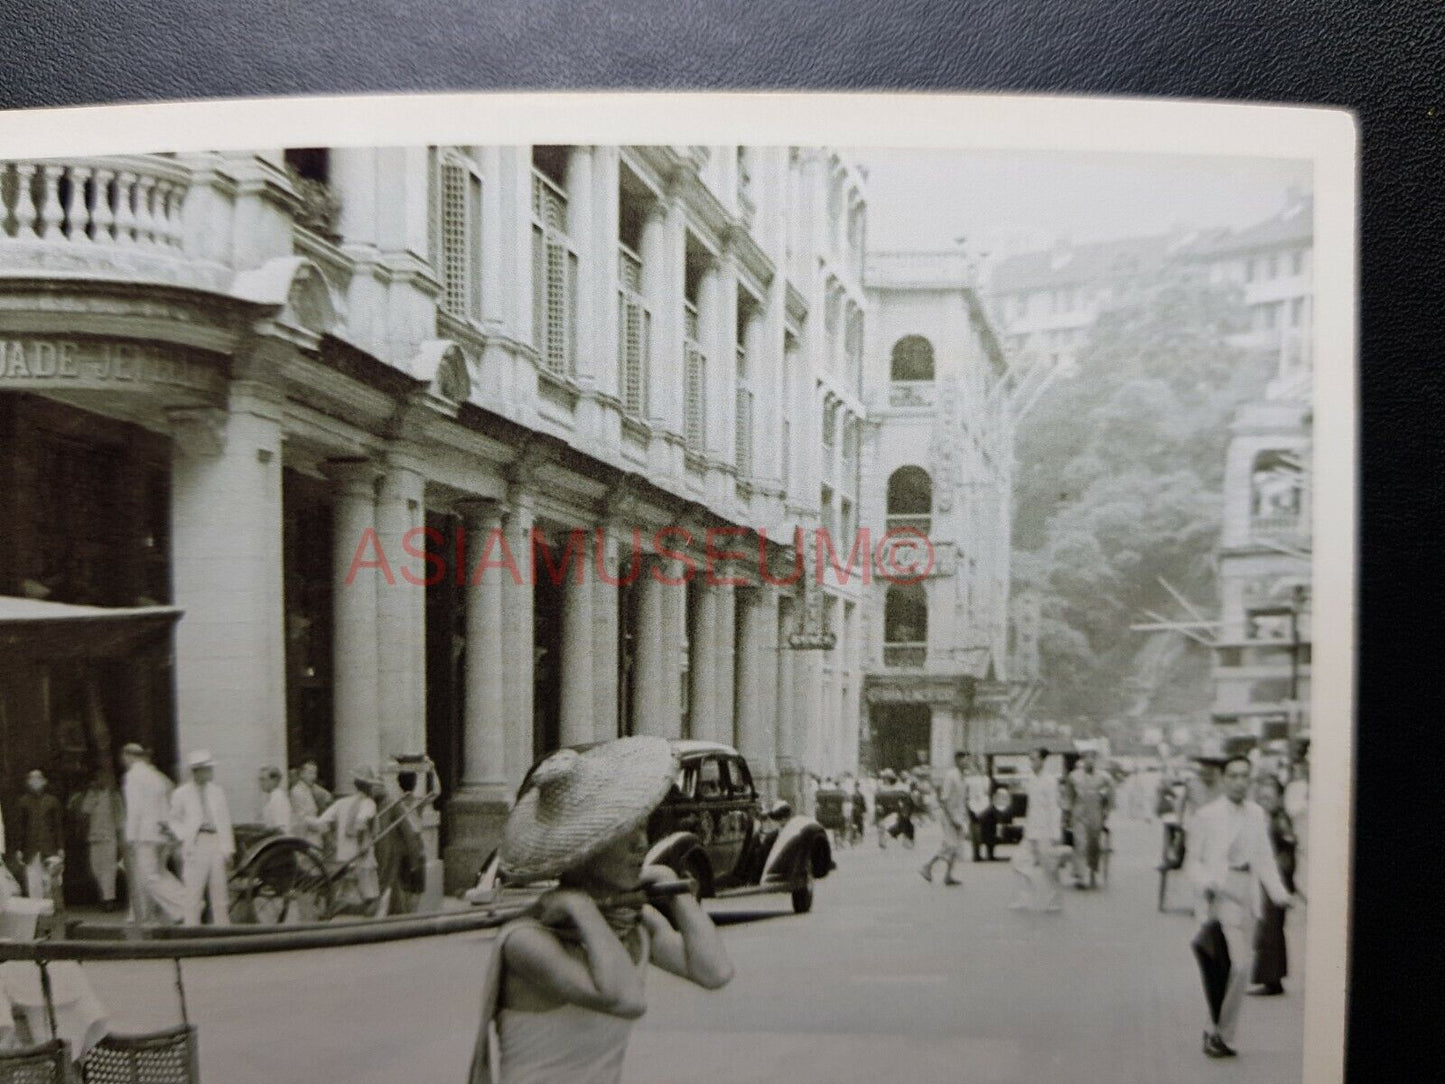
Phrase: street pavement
(890,978)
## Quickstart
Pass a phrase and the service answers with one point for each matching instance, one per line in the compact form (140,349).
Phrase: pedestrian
(1037,861)
(982,817)
(400,855)
(1091,799)
(858,812)
(155,894)
(568,980)
(1296,803)
(352,819)
(953,814)
(103,813)
(275,806)
(309,799)
(201,820)
(1271,961)
(1230,860)
(41,837)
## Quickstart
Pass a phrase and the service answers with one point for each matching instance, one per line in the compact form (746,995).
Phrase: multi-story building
(433,447)
(940,468)
(1045,303)
(1262,646)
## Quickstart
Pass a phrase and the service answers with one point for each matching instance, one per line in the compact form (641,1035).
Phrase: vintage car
(712,830)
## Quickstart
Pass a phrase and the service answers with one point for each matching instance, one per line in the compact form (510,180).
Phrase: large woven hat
(576,804)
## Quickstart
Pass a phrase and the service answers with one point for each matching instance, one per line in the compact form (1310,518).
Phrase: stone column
(702,670)
(606,598)
(517,619)
(577,647)
(488,663)
(401,613)
(724,661)
(785,713)
(657,682)
(475,814)
(757,686)
(354,638)
(226,533)
(580,214)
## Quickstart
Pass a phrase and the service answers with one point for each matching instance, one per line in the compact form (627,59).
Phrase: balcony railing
(905,656)
(131,203)
(911,393)
(909,524)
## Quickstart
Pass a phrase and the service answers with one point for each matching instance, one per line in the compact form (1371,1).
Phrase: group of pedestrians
(149,821)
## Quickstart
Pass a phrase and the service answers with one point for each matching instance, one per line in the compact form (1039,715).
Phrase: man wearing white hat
(201,821)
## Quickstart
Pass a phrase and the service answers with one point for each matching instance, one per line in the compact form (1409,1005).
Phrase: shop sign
(85,364)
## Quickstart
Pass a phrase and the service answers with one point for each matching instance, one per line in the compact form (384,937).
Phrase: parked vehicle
(712,829)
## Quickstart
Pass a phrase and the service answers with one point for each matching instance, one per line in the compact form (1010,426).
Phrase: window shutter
(693,421)
(745,432)
(456,245)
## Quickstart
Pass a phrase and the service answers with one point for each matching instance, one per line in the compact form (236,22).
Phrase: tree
(1120,468)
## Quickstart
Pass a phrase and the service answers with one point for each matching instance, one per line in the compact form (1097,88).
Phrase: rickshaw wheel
(288,884)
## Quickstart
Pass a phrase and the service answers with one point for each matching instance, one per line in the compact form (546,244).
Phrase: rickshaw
(282,877)
(828,810)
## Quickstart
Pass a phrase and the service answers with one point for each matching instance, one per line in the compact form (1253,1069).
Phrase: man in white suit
(1230,859)
(201,821)
(154,893)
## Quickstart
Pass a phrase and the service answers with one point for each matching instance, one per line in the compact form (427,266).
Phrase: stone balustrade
(132,201)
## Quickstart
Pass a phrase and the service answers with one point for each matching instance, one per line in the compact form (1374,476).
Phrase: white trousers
(155,895)
(102,867)
(203,874)
(1239,927)
(37,879)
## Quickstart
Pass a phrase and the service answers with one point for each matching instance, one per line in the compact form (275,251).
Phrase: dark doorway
(446,644)
(306,571)
(547,649)
(900,736)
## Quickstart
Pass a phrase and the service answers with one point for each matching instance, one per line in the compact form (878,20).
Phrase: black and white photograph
(505,589)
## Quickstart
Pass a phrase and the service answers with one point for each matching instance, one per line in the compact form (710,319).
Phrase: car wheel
(803,890)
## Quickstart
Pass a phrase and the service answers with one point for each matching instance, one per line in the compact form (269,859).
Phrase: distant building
(1045,303)
(939,465)
(1263,653)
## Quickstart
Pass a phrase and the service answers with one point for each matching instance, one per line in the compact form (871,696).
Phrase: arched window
(905,626)
(912,358)
(910,500)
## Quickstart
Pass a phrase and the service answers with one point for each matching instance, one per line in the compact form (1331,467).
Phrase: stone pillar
(724,662)
(354,643)
(226,533)
(606,599)
(580,214)
(658,692)
(944,736)
(757,686)
(577,647)
(786,711)
(401,613)
(475,814)
(517,619)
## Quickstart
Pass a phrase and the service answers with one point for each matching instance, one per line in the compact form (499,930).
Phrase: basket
(162,1057)
(45,1063)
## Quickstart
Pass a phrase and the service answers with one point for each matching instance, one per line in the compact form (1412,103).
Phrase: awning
(35,630)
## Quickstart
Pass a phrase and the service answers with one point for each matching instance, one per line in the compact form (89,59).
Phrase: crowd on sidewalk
(176,844)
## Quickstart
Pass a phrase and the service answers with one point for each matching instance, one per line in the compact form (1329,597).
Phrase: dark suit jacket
(41,829)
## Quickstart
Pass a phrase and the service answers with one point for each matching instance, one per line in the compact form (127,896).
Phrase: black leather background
(1382,59)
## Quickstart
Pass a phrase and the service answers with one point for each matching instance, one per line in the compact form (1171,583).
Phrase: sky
(1004,201)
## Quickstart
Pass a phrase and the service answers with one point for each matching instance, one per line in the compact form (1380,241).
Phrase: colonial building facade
(940,470)
(471,451)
